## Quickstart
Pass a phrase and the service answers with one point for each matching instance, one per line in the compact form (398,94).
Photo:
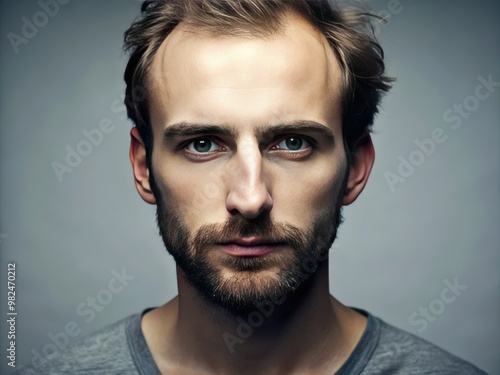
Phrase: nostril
(248,192)
(249,204)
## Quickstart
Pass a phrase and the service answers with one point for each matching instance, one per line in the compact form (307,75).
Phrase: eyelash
(310,144)
(202,139)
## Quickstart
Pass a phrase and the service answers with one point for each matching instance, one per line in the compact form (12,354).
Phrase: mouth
(250,246)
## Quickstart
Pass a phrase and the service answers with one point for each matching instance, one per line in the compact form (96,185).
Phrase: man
(252,122)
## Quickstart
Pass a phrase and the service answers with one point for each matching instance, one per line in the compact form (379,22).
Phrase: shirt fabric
(121,349)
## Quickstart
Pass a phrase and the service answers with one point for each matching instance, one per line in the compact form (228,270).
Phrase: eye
(202,146)
(295,143)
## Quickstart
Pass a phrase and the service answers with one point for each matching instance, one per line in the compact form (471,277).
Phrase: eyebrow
(186,129)
(300,126)
(268,132)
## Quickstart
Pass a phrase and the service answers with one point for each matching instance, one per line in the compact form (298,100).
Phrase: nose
(248,194)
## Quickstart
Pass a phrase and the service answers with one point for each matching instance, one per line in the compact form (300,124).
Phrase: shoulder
(103,352)
(400,352)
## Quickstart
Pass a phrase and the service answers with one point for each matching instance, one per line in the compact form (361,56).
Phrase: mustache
(262,227)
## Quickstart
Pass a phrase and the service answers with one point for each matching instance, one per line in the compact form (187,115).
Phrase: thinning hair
(349,33)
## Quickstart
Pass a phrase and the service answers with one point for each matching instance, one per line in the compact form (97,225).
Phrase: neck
(309,331)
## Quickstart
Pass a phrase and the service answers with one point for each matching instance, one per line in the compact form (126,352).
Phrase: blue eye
(202,145)
(293,144)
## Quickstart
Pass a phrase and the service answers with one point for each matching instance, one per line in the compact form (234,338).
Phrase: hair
(349,33)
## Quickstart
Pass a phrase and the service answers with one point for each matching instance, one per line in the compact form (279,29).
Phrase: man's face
(248,158)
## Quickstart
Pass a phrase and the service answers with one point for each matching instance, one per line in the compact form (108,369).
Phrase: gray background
(395,250)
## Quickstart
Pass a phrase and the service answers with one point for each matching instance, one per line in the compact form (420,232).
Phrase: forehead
(289,75)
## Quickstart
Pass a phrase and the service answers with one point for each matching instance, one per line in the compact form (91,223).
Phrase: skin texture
(252,89)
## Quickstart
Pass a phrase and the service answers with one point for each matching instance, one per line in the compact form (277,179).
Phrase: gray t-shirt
(121,349)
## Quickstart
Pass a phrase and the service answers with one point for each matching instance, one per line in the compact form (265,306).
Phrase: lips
(250,247)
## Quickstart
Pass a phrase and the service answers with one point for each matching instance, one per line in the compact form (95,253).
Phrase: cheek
(309,191)
(192,191)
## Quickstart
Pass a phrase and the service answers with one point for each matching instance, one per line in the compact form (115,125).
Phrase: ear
(140,168)
(362,161)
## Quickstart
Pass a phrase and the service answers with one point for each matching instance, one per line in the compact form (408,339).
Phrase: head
(252,121)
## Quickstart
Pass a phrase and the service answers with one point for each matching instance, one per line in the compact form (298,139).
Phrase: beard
(239,284)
